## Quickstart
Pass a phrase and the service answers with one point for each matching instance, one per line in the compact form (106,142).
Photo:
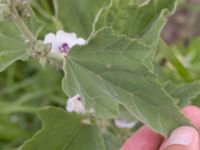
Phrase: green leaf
(78,15)
(193,50)
(63,130)
(172,57)
(143,22)
(184,93)
(13,45)
(33,23)
(193,57)
(110,69)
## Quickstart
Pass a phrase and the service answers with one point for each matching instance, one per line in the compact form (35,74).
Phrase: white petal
(75,41)
(61,36)
(80,41)
(69,38)
(75,105)
(49,38)
(69,107)
(71,35)
(124,124)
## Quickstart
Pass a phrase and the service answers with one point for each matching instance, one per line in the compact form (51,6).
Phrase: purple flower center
(64,48)
(79,98)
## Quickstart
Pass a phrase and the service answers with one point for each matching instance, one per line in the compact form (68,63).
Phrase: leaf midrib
(132,94)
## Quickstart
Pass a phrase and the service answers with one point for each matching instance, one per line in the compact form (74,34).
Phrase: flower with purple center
(75,104)
(64,48)
(62,42)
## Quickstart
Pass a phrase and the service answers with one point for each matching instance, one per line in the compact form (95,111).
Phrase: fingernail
(183,136)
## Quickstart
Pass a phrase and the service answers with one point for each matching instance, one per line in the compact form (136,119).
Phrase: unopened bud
(25,13)
(21,4)
(22,7)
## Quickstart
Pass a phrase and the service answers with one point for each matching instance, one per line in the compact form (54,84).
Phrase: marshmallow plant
(62,42)
(105,49)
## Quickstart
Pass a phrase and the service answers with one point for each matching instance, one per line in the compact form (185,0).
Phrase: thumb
(177,147)
(182,138)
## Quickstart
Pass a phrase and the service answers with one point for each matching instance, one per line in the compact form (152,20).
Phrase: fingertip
(193,113)
(184,136)
(189,109)
(144,138)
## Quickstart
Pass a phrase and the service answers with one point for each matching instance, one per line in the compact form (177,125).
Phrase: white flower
(75,104)
(120,123)
(62,41)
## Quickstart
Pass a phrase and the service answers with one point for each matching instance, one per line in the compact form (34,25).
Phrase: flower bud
(22,7)
(25,13)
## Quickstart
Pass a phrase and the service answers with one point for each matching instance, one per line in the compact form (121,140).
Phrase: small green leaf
(78,15)
(110,70)
(64,131)
(143,22)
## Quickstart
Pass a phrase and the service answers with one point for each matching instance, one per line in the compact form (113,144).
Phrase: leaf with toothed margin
(139,21)
(109,70)
(64,131)
(13,45)
(78,15)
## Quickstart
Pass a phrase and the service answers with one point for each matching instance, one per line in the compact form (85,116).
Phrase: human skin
(182,138)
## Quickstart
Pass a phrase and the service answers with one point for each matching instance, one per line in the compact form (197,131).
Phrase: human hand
(182,138)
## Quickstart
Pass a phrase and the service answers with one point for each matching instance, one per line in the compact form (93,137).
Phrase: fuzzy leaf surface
(109,70)
(143,22)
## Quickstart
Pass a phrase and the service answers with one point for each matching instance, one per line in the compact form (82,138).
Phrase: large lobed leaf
(108,71)
(64,131)
(143,22)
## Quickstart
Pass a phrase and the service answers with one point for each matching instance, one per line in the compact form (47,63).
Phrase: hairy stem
(22,27)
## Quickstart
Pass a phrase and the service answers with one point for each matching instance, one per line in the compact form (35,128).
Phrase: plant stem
(23,28)
(180,68)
